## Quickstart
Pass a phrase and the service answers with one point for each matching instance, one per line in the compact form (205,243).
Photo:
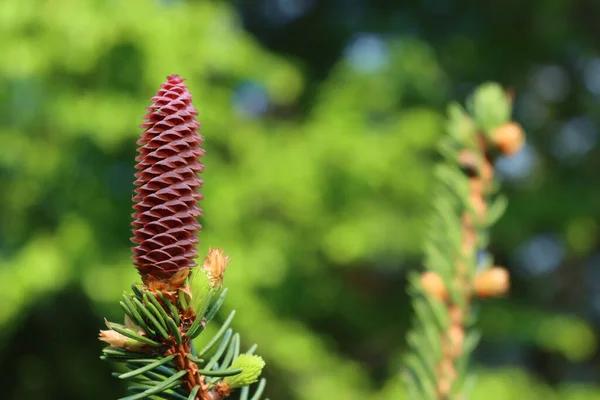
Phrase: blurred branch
(458,267)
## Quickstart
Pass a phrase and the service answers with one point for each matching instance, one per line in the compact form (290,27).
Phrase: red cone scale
(165,225)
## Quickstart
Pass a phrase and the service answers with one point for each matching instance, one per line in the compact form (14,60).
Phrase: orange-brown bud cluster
(508,138)
(434,285)
(492,282)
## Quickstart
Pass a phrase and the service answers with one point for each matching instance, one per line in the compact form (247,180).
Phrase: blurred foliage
(320,146)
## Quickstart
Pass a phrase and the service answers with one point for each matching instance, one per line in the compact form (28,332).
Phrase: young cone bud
(434,285)
(456,315)
(165,222)
(508,138)
(492,282)
(116,339)
(251,366)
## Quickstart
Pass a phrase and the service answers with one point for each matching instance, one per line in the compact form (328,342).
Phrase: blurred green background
(320,119)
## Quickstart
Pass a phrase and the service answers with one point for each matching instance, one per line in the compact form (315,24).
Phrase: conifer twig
(176,301)
(457,266)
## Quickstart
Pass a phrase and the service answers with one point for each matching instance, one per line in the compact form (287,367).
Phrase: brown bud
(434,285)
(167,285)
(446,376)
(476,186)
(222,389)
(479,205)
(213,395)
(444,386)
(214,265)
(446,368)
(486,172)
(469,161)
(456,315)
(508,138)
(492,282)
(456,335)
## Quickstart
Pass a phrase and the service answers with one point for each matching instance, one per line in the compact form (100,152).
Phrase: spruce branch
(458,268)
(175,301)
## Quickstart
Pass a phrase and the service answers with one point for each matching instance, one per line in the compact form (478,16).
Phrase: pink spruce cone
(165,225)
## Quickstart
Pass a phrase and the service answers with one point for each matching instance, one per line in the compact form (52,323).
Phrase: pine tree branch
(442,339)
(176,301)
